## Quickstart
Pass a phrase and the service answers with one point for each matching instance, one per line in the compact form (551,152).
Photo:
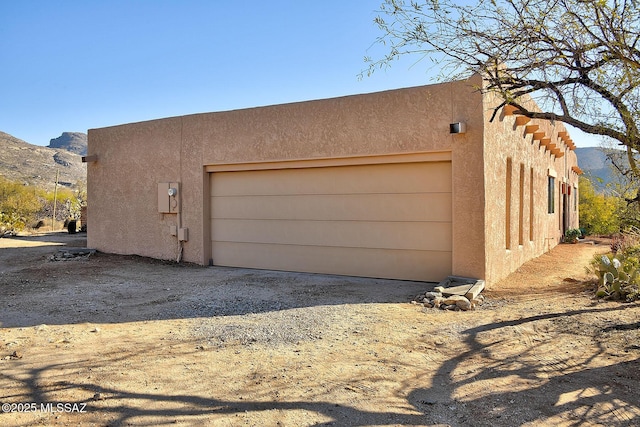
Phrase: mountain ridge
(75,142)
(38,165)
(596,166)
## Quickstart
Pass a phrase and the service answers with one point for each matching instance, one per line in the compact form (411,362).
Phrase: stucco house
(414,184)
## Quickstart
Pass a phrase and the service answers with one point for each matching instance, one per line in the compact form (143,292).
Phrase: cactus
(618,276)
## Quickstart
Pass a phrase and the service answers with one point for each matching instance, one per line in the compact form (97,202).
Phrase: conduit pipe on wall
(169,202)
(180,242)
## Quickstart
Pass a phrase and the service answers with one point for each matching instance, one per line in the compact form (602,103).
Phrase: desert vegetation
(26,206)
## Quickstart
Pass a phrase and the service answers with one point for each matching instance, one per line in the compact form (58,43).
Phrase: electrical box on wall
(183,234)
(168,197)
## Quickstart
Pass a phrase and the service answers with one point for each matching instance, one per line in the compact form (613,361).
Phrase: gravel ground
(146,342)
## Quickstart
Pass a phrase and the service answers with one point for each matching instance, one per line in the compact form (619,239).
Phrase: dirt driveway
(122,340)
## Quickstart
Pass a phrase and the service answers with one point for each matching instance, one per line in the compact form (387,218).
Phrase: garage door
(380,220)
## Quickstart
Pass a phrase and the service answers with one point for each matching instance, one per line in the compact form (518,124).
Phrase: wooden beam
(509,110)
(531,128)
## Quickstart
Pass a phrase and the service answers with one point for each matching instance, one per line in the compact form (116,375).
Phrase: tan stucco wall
(504,139)
(133,158)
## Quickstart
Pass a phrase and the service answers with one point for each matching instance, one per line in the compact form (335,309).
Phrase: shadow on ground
(556,391)
(105,288)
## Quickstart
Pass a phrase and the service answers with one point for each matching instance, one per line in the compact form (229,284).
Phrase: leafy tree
(18,205)
(68,203)
(624,182)
(579,59)
(79,199)
(23,205)
(625,186)
(598,212)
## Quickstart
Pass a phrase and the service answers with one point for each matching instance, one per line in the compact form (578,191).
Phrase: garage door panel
(405,265)
(388,178)
(351,207)
(382,220)
(360,234)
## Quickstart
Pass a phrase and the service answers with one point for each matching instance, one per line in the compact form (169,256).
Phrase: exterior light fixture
(458,127)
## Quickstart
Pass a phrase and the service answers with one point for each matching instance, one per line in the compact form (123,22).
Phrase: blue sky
(75,65)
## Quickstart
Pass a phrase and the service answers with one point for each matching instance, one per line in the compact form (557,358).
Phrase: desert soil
(124,340)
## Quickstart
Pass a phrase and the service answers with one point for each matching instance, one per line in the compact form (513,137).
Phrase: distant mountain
(33,164)
(595,164)
(76,142)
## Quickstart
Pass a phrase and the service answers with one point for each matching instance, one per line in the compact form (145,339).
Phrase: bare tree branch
(578,59)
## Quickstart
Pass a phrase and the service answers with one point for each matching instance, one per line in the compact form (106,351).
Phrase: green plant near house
(618,276)
(572,235)
(598,212)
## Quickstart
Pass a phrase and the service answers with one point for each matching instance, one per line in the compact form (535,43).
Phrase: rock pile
(72,253)
(13,356)
(452,295)
(452,302)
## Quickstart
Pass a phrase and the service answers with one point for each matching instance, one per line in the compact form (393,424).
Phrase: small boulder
(459,301)
(432,295)
(453,299)
(464,305)
(437,302)
(477,301)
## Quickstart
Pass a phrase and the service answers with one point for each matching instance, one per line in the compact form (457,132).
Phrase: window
(531,205)
(551,195)
(521,208)
(563,206)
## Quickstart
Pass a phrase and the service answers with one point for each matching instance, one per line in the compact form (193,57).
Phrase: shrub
(598,212)
(572,235)
(617,243)
(18,205)
(11,223)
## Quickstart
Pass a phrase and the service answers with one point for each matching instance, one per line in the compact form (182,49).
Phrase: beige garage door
(383,220)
